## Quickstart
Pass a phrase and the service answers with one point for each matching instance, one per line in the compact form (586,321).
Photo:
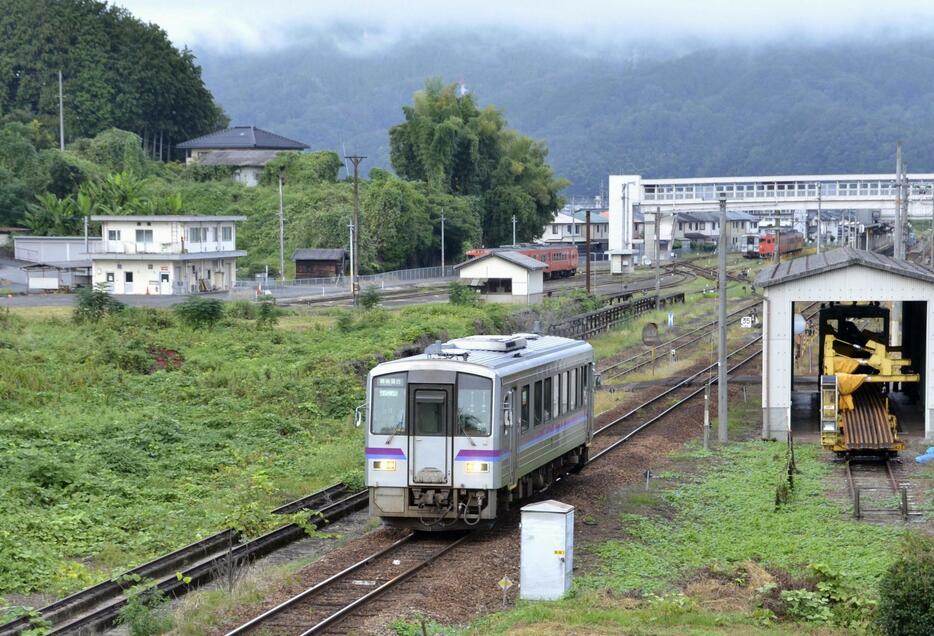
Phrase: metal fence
(380,280)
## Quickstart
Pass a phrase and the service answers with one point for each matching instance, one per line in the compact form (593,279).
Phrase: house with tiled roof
(247,149)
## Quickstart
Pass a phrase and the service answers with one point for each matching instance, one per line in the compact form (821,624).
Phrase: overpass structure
(793,197)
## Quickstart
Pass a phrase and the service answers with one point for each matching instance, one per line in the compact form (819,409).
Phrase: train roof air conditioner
(490,343)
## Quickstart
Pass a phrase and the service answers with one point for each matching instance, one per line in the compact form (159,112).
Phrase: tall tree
(118,71)
(458,148)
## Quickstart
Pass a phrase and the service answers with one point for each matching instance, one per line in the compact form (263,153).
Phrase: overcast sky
(236,24)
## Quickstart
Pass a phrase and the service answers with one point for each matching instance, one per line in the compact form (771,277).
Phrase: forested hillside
(117,72)
(795,108)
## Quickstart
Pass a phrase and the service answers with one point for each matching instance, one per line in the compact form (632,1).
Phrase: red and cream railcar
(560,261)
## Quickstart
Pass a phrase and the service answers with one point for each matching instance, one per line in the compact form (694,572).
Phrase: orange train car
(788,241)
(560,261)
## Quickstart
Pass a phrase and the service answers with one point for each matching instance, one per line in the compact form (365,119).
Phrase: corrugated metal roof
(318,254)
(256,158)
(193,218)
(713,217)
(832,260)
(513,257)
(154,257)
(242,137)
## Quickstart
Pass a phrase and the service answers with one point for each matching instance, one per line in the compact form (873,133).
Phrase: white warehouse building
(166,254)
(790,196)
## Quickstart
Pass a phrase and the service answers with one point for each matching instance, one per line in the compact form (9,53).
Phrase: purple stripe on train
(552,430)
(466,455)
(384,453)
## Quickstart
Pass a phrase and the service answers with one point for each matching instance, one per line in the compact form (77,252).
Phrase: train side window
(585,385)
(524,408)
(537,410)
(564,392)
(572,400)
(547,399)
(555,396)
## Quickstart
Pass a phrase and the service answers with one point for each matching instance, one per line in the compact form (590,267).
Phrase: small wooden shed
(505,276)
(319,263)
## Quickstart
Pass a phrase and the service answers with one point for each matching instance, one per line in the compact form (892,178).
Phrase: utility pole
(819,193)
(85,233)
(514,229)
(587,252)
(897,238)
(352,255)
(722,327)
(281,226)
(61,114)
(442,241)
(355,265)
(658,257)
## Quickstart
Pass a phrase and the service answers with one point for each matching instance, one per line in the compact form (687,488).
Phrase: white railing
(395,277)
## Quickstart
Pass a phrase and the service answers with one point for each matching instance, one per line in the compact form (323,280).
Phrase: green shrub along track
(97,607)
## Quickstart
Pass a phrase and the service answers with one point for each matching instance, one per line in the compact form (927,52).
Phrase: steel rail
(686,381)
(680,402)
(99,604)
(385,586)
(642,354)
(347,608)
(281,607)
(625,438)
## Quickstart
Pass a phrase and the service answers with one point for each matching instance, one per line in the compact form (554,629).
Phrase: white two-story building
(166,254)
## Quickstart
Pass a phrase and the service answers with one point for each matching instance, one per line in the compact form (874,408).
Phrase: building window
(226,233)
(197,235)
(144,236)
(113,235)
(110,277)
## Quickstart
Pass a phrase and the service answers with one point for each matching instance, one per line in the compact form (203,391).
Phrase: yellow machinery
(855,415)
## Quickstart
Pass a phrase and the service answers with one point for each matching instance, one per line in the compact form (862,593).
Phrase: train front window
(474,405)
(388,411)
(429,413)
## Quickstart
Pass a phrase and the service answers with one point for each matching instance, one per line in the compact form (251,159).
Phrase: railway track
(681,393)
(318,609)
(97,607)
(644,358)
(877,493)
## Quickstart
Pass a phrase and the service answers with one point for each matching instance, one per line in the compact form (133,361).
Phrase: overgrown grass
(591,613)
(107,460)
(728,517)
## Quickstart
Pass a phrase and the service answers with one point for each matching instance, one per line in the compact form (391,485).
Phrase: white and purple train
(458,433)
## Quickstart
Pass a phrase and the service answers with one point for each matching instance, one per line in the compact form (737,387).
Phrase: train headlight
(384,464)
(477,467)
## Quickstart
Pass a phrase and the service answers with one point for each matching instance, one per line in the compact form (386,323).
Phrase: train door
(431,408)
(510,442)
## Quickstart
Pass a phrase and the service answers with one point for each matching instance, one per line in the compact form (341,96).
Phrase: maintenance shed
(318,263)
(825,283)
(505,276)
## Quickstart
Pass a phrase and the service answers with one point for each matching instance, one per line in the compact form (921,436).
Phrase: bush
(267,314)
(143,613)
(906,591)
(243,309)
(345,321)
(200,313)
(461,294)
(94,304)
(370,297)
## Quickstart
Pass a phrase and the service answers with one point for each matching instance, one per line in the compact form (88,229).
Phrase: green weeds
(129,437)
